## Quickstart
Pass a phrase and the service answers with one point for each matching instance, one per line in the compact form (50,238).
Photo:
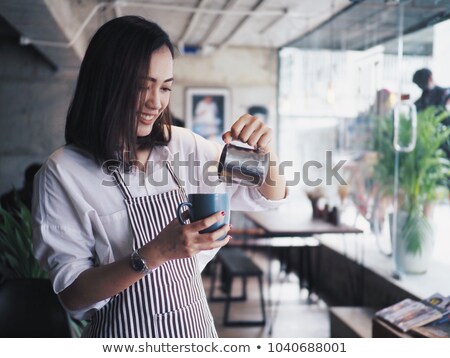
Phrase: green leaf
(422,173)
(16,245)
(414,231)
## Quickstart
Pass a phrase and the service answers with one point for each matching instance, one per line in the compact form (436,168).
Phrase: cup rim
(209,194)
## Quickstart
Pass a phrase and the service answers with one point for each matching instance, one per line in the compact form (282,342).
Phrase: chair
(30,309)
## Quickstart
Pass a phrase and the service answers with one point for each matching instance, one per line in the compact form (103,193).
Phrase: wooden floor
(289,312)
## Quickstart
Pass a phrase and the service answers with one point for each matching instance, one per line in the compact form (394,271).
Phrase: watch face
(137,263)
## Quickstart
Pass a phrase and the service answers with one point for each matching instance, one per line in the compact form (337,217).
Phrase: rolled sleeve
(251,199)
(62,256)
(63,241)
(262,202)
(64,259)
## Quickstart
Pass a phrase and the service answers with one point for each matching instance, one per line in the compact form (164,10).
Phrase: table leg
(269,294)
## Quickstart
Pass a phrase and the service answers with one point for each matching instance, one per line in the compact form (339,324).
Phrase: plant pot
(30,309)
(404,260)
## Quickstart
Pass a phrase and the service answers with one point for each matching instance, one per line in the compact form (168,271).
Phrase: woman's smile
(155,91)
(147,118)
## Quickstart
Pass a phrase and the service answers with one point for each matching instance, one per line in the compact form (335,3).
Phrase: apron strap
(123,187)
(176,179)
(126,192)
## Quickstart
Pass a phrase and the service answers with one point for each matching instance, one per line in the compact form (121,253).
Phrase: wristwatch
(138,263)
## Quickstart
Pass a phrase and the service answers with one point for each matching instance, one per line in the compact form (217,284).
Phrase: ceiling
(61,29)
(369,23)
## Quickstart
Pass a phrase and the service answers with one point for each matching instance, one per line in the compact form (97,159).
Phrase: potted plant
(16,253)
(20,271)
(421,175)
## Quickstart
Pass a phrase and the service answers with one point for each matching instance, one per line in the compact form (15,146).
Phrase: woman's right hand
(177,241)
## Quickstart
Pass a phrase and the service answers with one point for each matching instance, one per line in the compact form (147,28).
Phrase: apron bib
(170,302)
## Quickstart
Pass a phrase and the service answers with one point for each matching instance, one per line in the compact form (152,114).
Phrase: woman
(107,233)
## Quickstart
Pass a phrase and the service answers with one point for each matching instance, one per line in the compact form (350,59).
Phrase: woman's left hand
(252,131)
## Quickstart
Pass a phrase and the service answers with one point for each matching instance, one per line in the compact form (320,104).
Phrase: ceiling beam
(241,24)
(51,20)
(177,8)
(193,21)
(220,19)
(280,18)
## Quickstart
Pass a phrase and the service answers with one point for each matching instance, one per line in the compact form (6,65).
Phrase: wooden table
(281,225)
(381,329)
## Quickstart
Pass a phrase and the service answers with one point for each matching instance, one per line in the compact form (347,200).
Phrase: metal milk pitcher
(244,166)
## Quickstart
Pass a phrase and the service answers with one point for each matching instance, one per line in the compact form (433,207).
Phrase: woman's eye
(167,89)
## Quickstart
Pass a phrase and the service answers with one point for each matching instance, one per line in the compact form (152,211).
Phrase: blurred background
(325,74)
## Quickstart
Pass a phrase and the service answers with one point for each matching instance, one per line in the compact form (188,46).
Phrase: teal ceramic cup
(200,206)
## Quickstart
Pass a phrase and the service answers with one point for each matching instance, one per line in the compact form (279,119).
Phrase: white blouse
(79,215)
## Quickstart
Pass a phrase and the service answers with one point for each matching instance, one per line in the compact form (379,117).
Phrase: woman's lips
(146,118)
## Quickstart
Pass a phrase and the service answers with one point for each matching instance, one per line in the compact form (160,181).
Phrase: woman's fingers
(227,137)
(265,140)
(257,139)
(236,128)
(254,128)
(217,234)
(205,223)
(177,241)
(251,130)
(207,242)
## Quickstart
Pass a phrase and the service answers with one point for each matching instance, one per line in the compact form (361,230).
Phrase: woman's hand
(251,130)
(177,241)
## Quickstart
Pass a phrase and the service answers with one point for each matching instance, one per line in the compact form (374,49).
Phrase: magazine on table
(439,328)
(410,314)
(436,329)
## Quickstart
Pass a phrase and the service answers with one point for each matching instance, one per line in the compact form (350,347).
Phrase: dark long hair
(102,116)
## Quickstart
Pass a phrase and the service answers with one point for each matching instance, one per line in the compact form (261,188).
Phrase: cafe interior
(366,220)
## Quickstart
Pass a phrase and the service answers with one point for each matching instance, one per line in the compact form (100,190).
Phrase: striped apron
(170,302)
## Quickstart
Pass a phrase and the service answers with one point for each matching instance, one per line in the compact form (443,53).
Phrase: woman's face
(155,91)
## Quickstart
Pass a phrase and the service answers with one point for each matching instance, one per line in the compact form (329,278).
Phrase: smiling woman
(101,119)
(155,91)
(110,241)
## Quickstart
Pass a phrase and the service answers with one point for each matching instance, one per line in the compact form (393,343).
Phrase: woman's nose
(153,100)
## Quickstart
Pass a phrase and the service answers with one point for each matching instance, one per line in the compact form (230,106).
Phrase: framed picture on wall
(207,110)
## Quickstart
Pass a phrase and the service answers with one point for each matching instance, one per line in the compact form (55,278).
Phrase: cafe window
(329,99)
